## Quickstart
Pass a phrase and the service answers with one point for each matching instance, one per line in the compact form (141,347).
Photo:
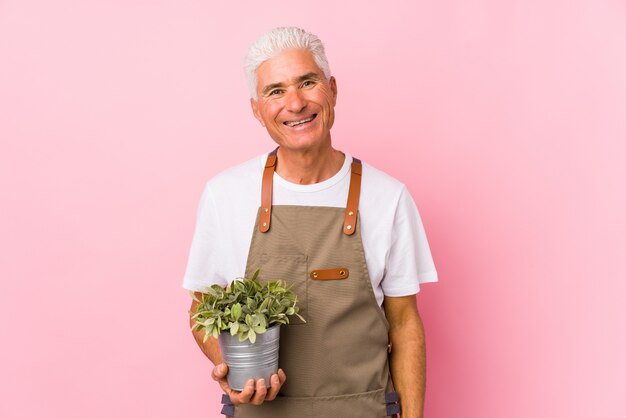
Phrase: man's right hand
(249,394)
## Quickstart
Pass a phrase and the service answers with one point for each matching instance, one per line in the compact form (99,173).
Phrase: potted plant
(245,318)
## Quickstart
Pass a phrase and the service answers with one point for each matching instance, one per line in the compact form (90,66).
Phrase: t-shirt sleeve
(204,255)
(409,262)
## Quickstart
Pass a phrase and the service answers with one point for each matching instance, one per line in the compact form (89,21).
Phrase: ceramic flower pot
(246,360)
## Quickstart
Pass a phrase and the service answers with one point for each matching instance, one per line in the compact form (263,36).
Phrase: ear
(255,110)
(333,88)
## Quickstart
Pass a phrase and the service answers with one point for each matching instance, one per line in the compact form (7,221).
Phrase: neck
(308,166)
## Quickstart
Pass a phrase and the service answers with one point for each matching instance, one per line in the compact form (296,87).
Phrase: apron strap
(393,404)
(352,206)
(229,408)
(266,192)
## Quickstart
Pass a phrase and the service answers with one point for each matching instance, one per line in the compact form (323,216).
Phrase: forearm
(408,365)
(211,347)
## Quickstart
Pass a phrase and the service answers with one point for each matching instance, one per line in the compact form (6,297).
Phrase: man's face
(296,103)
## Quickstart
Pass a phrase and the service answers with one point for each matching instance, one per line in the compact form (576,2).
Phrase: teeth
(300,121)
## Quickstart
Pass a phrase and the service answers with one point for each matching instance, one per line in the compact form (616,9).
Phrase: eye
(275,92)
(307,83)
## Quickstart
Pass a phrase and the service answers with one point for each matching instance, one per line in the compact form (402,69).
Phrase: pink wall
(506,119)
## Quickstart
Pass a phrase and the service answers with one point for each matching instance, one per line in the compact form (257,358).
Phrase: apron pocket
(291,268)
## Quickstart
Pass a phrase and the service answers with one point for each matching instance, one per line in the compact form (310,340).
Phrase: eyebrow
(308,76)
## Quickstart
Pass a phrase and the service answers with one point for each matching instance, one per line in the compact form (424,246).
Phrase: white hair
(272,43)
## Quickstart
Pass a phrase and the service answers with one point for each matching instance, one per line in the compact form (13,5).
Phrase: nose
(295,101)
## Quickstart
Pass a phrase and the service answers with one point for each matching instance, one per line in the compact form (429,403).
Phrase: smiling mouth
(300,122)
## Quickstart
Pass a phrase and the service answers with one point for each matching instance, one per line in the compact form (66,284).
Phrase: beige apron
(336,363)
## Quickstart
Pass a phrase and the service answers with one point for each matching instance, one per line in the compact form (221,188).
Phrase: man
(321,212)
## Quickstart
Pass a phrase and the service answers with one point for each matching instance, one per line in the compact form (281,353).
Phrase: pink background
(506,119)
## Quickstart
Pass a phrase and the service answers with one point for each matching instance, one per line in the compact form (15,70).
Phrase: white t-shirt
(396,250)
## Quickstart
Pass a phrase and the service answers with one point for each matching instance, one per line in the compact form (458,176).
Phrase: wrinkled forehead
(287,67)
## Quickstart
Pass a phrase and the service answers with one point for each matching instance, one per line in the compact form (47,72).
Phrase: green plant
(246,308)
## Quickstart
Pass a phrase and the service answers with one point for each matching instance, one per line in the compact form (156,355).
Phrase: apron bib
(336,363)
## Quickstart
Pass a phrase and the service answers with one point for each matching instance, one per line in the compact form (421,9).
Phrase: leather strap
(352,206)
(330,274)
(266,191)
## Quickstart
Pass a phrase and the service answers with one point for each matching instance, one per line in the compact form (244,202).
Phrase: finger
(259,393)
(219,375)
(274,388)
(282,377)
(245,395)
(220,371)
(277,380)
